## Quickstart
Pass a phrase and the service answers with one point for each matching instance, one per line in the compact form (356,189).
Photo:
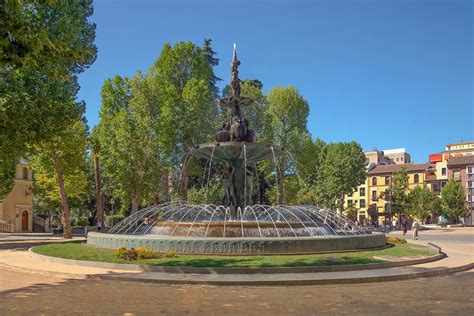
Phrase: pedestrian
(404,226)
(394,224)
(415,226)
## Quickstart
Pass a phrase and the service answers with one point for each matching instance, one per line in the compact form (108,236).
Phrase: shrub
(126,254)
(170,254)
(395,240)
(147,253)
(141,253)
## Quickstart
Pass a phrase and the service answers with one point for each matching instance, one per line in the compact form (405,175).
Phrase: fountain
(237,227)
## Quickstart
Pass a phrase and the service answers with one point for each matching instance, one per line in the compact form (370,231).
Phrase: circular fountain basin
(239,246)
(188,228)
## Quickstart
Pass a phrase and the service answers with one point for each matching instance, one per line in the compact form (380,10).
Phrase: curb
(408,276)
(281,270)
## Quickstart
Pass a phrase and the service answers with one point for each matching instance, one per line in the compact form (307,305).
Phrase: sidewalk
(457,260)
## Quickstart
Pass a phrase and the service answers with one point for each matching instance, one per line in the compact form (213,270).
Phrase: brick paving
(42,292)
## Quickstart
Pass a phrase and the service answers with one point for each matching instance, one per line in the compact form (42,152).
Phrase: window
(469,184)
(374,195)
(387,180)
(396,159)
(457,175)
(443,184)
(362,191)
(349,203)
(443,171)
(25,173)
(416,178)
(374,181)
(470,170)
(435,187)
(362,203)
(401,159)
(386,195)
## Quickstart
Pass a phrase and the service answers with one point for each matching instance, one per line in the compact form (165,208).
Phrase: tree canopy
(453,200)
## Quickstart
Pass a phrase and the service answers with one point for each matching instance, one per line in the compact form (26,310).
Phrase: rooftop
(461,143)
(459,161)
(394,151)
(388,169)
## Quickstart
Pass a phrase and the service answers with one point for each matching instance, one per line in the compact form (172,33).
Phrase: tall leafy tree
(343,171)
(127,135)
(399,192)
(453,199)
(59,166)
(188,108)
(422,203)
(45,45)
(288,114)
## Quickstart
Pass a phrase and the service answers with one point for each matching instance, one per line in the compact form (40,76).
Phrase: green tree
(212,62)
(188,109)
(53,36)
(46,44)
(343,171)
(128,140)
(453,200)
(399,192)
(288,114)
(422,203)
(59,166)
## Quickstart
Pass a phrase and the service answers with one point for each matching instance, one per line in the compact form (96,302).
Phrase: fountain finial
(235,83)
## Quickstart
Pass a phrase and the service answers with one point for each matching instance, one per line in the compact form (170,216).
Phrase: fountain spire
(235,83)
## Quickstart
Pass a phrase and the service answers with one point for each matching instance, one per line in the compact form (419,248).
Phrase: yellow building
(380,184)
(16,213)
(359,199)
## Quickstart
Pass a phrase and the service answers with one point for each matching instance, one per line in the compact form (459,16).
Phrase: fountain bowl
(193,229)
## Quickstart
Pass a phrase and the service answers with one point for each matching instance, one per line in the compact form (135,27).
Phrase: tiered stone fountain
(237,227)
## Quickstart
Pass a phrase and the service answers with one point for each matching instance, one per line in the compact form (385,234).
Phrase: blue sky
(386,74)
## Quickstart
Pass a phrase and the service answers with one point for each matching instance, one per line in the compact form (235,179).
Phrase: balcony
(430,176)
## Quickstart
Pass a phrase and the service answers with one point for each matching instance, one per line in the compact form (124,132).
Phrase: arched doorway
(24,220)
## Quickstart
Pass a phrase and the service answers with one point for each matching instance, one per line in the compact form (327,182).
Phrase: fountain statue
(235,147)
(238,225)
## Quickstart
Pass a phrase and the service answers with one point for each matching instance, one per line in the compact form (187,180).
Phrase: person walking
(394,224)
(415,226)
(404,226)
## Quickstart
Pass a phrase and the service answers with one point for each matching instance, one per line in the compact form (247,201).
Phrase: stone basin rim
(185,238)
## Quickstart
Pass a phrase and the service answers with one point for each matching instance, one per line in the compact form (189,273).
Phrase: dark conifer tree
(212,61)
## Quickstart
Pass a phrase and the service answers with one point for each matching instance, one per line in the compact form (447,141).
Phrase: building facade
(461,169)
(16,210)
(380,185)
(397,156)
(439,161)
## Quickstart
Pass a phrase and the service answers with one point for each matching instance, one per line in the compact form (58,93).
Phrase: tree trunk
(281,176)
(164,179)
(170,185)
(98,197)
(155,199)
(184,191)
(65,211)
(136,202)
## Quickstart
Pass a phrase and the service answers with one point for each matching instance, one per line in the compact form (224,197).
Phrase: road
(32,294)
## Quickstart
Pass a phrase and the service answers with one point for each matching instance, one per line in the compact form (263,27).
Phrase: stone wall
(238,246)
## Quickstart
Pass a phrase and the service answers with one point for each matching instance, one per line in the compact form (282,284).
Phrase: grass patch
(78,251)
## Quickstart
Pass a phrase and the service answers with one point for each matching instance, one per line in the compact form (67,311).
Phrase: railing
(7,227)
